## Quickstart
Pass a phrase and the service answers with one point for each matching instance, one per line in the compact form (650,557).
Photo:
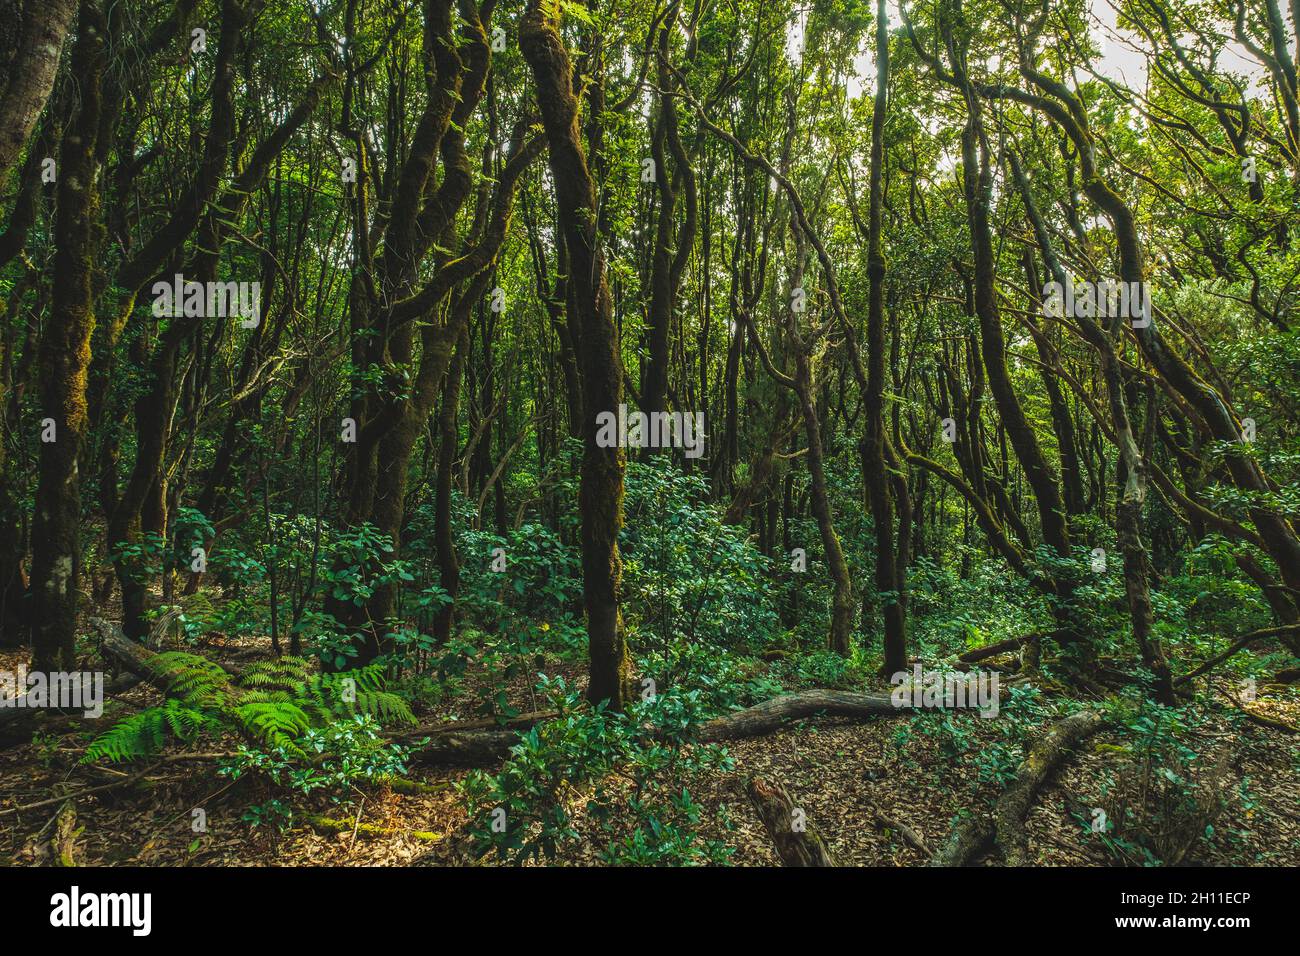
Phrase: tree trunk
(63,361)
(29,73)
(797,844)
(888,585)
(601,494)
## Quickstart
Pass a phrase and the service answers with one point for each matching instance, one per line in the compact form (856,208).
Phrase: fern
(145,733)
(195,681)
(275,724)
(286,674)
(359,691)
(325,696)
(273,702)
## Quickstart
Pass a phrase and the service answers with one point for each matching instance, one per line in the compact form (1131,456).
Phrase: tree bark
(772,714)
(30,72)
(63,359)
(601,494)
(889,587)
(797,844)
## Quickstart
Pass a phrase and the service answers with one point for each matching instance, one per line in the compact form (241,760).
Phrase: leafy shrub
(526,811)
(824,668)
(333,759)
(1164,798)
(687,575)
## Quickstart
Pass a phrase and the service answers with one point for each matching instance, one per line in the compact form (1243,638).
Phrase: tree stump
(797,843)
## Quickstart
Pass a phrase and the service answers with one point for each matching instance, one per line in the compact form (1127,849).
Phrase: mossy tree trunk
(601,494)
(27,71)
(63,359)
(889,584)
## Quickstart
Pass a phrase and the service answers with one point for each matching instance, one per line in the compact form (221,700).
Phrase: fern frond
(358,691)
(193,680)
(145,733)
(286,674)
(271,696)
(385,707)
(276,724)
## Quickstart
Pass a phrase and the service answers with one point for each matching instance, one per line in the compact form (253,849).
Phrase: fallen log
(771,714)
(14,718)
(969,839)
(1006,831)
(18,724)
(797,843)
(142,662)
(138,659)
(452,744)
(1042,759)
(477,748)
(997,647)
(66,831)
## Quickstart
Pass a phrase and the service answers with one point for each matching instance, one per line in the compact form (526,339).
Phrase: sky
(1121,59)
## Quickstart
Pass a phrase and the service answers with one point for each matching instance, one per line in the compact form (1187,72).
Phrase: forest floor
(862,785)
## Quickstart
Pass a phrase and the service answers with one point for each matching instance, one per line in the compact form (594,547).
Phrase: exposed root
(910,836)
(1006,831)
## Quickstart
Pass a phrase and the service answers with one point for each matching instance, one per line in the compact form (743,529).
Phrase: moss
(332,825)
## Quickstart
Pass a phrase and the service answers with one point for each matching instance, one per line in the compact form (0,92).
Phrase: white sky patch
(1123,52)
(1122,57)
(794,35)
(862,81)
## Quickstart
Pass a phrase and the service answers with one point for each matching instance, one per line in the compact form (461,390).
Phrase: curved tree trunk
(601,494)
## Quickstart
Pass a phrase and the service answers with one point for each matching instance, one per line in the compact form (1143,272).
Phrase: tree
(601,495)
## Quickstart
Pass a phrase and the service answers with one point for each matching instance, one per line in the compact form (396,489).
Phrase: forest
(650,433)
